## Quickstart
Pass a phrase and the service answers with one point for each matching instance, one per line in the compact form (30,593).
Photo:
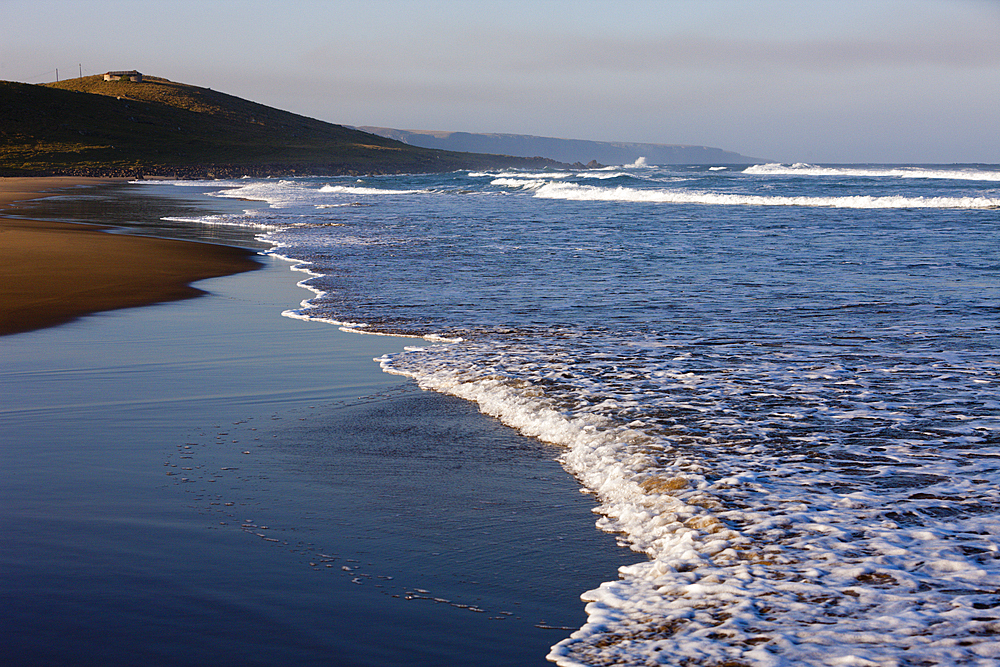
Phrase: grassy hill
(89,126)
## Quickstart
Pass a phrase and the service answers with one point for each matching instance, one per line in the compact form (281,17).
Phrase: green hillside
(92,127)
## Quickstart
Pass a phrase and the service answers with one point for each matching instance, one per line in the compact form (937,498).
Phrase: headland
(153,126)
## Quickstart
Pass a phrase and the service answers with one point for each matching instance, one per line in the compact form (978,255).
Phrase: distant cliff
(563,150)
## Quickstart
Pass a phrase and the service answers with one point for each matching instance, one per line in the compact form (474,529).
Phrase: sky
(822,81)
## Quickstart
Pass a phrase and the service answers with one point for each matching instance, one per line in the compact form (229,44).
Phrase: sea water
(780,382)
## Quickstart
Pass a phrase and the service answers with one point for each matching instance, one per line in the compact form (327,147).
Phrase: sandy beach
(53,272)
(203,481)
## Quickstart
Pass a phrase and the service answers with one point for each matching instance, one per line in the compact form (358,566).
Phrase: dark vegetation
(92,127)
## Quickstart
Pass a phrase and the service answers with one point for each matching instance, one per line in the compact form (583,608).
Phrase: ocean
(779,382)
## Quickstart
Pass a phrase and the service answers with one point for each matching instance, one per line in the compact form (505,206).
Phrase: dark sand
(53,272)
(204,482)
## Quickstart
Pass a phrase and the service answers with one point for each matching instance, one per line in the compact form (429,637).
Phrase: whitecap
(804,169)
(572,191)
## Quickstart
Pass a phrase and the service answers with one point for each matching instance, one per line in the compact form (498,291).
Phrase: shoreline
(53,272)
(217,484)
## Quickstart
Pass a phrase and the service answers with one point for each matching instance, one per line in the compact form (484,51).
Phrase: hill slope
(565,150)
(89,126)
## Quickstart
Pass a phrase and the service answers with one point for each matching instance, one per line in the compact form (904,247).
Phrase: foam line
(803,169)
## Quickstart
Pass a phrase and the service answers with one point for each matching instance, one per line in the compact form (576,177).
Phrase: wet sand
(206,482)
(53,272)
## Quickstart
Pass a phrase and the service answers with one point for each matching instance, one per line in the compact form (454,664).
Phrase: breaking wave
(577,192)
(803,169)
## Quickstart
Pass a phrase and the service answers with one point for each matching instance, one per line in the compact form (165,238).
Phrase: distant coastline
(564,150)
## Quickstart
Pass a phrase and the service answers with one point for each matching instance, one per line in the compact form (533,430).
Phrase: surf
(578,192)
(804,169)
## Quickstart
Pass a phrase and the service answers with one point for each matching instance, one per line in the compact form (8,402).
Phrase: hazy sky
(801,80)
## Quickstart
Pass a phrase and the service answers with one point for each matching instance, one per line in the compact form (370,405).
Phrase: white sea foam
(358,190)
(519,183)
(803,169)
(554,175)
(279,194)
(226,183)
(251,219)
(746,557)
(306,310)
(300,195)
(359,327)
(604,175)
(573,191)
